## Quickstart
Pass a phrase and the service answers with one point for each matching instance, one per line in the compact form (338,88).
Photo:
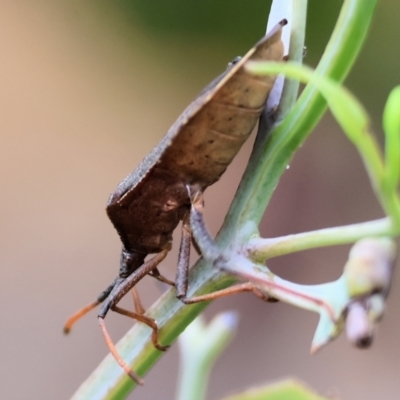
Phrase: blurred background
(87,89)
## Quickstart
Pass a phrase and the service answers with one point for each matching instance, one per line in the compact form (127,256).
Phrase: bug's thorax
(146,217)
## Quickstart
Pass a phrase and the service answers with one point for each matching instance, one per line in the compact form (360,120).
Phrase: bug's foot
(161,347)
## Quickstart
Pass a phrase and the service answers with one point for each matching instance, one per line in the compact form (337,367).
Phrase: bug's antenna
(78,315)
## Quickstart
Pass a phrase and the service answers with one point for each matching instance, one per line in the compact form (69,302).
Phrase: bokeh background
(87,89)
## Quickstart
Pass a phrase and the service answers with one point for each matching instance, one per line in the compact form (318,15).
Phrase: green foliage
(286,390)
(179,16)
(200,346)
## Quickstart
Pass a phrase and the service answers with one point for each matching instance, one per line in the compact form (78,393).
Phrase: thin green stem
(297,37)
(390,202)
(263,249)
(353,119)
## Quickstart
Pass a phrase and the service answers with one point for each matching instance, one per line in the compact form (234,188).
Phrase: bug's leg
(138,315)
(125,284)
(206,243)
(235,289)
(156,274)
(150,322)
(139,309)
(121,287)
(84,310)
(182,271)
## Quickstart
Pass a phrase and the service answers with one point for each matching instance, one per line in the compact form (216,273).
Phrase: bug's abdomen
(207,140)
(212,140)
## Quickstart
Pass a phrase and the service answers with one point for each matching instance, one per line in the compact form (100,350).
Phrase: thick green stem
(272,154)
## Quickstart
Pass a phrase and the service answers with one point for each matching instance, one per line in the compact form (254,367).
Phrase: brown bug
(148,205)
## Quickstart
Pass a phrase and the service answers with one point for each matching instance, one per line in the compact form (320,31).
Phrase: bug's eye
(234,61)
(170,205)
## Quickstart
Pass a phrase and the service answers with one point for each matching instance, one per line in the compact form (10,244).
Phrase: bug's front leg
(125,282)
(122,286)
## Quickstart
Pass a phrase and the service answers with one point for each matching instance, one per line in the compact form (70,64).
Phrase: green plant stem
(272,154)
(108,381)
(391,126)
(354,121)
(200,346)
(263,249)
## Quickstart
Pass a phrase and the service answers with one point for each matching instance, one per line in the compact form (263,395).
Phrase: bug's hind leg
(194,226)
